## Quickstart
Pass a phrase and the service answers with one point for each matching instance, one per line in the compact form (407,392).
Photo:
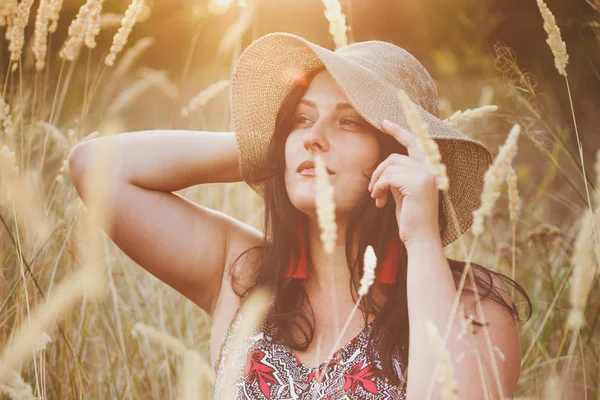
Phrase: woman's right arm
(182,243)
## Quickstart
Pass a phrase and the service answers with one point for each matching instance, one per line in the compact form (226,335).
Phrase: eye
(300,119)
(350,122)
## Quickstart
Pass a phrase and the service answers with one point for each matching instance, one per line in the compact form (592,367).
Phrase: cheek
(362,155)
(291,148)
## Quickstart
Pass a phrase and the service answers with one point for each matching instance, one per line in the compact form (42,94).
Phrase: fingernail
(385,122)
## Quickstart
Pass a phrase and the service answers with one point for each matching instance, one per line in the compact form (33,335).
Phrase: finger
(392,159)
(405,138)
(380,191)
(392,177)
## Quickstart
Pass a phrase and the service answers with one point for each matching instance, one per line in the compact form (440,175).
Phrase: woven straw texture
(369,74)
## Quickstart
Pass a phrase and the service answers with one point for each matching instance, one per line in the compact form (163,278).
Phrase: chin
(303,200)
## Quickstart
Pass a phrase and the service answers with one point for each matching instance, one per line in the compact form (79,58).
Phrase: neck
(328,269)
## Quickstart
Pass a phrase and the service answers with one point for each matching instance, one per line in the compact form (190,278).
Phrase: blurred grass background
(479,52)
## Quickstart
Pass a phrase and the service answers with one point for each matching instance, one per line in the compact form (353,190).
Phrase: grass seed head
(337,22)
(120,38)
(369,264)
(426,142)
(325,206)
(558,47)
(17,31)
(40,36)
(54,8)
(461,118)
(494,179)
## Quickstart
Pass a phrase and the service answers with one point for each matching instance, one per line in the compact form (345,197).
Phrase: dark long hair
(371,226)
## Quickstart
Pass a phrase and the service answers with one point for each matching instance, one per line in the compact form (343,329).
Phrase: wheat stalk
(584,269)
(369,264)
(79,30)
(15,387)
(93,25)
(17,31)
(6,118)
(236,30)
(54,8)
(325,206)
(120,38)
(513,207)
(337,22)
(460,118)
(446,377)
(8,8)
(132,54)
(420,128)
(558,47)
(17,192)
(40,37)
(561,59)
(88,282)
(193,363)
(494,178)
(204,97)
(152,79)
(513,193)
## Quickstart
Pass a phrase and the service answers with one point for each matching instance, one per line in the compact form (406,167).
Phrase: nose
(315,139)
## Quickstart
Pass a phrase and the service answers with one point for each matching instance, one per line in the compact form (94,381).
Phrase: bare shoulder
(502,329)
(490,289)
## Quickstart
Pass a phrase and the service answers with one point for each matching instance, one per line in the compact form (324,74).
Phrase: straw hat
(369,74)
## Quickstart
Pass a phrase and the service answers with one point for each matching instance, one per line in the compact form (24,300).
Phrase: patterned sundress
(265,369)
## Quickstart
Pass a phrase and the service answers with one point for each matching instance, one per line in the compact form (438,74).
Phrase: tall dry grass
(79,319)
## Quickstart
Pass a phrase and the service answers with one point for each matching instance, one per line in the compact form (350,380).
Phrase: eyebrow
(339,106)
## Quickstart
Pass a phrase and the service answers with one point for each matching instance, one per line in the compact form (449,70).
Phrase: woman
(292,100)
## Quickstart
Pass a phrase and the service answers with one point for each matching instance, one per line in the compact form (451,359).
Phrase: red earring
(300,270)
(387,272)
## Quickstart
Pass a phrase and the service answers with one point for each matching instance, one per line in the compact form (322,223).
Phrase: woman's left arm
(431,289)
(430,294)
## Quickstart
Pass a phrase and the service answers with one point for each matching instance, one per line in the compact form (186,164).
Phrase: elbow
(81,163)
(77,160)
(92,165)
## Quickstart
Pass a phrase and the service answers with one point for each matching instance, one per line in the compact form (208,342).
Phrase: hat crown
(398,67)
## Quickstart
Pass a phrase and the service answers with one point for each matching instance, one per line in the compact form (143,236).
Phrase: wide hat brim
(268,69)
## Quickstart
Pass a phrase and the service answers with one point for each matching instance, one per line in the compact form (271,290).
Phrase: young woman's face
(327,124)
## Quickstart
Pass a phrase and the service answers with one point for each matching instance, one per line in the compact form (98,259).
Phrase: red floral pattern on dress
(363,376)
(257,371)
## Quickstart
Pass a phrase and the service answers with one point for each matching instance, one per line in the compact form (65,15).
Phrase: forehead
(322,89)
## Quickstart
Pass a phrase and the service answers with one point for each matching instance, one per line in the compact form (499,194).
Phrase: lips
(307,167)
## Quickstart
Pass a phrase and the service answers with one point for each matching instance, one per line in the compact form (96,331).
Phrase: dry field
(79,320)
